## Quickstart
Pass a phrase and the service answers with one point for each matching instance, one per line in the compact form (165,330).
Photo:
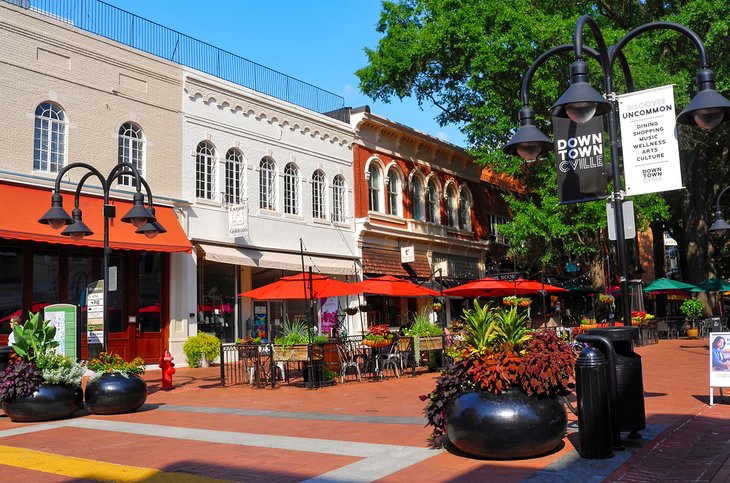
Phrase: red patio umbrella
(486,287)
(292,287)
(395,287)
(536,286)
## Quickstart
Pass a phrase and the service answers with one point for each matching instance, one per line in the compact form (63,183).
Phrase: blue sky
(318,42)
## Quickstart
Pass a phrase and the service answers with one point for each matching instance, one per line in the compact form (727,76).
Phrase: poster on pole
(63,318)
(649,141)
(719,361)
(579,160)
(95,313)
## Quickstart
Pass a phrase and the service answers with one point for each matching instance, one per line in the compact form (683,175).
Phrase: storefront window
(150,291)
(11,283)
(79,277)
(45,278)
(217,299)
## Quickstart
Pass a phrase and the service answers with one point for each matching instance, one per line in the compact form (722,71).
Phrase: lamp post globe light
(581,102)
(140,216)
(720,226)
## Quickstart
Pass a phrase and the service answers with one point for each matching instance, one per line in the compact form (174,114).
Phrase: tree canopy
(468,58)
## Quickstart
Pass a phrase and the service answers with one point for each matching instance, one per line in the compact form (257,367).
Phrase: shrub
(292,333)
(20,379)
(201,345)
(110,362)
(34,338)
(421,325)
(692,309)
(60,369)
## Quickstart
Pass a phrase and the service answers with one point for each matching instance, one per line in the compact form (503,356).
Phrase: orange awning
(22,206)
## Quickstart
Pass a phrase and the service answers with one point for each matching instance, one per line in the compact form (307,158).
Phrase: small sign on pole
(95,313)
(627,208)
(407,254)
(238,220)
(63,318)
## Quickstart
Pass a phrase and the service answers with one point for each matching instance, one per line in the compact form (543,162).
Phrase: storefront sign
(407,254)
(719,361)
(579,160)
(649,141)
(95,313)
(63,318)
(238,220)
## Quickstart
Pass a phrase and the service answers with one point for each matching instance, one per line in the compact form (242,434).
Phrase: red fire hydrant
(168,369)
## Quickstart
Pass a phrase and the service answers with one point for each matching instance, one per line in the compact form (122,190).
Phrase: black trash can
(630,412)
(595,432)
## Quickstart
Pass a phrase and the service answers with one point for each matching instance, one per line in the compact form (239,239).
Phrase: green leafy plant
(201,346)
(692,309)
(60,369)
(320,339)
(21,378)
(421,325)
(110,362)
(292,333)
(33,338)
(496,352)
(248,341)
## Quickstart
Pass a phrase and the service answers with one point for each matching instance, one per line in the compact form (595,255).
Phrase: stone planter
(112,393)
(510,425)
(48,402)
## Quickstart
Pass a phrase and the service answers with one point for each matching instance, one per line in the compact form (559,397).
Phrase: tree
(468,56)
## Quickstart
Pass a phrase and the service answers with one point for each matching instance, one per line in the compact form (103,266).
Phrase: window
(464,211)
(291,189)
(417,198)
(49,139)
(267,185)
(205,175)
(495,222)
(434,206)
(131,150)
(452,207)
(394,199)
(374,188)
(234,177)
(339,205)
(319,200)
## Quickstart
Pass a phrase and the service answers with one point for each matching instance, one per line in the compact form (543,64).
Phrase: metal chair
(389,358)
(348,358)
(662,327)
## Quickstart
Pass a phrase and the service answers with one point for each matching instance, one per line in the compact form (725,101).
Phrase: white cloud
(442,135)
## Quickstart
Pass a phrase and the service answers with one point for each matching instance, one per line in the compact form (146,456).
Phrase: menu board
(63,318)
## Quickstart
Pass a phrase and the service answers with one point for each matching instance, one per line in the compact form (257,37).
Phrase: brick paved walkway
(356,432)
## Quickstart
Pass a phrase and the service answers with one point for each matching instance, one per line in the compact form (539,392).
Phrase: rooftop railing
(126,28)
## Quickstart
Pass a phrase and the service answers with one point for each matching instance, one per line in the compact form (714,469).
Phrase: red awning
(22,206)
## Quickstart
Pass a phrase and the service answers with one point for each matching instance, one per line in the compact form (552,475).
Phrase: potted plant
(639,317)
(291,344)
(692,309)
(351,310)
(378,336)
(40,384)
(248,341)
(499,398)
(116,386)
(426,335)
(202,349)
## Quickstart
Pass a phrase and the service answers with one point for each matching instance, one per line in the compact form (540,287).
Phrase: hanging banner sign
(649,141)
(579,160)
(238,220)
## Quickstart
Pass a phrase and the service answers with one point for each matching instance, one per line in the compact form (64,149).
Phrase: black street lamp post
(143,218)
(581,103)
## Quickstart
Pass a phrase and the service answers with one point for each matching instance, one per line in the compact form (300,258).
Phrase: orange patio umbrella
(395,287)
(536,286)
(298,287)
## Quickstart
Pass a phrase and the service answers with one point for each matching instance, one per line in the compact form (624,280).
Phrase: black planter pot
(113,393)
(49,402)
(510,425)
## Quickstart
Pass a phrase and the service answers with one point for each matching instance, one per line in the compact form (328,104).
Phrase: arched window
(339,199)
(319,196)
(452,207)
(394,198)
(267,185)
(433,210)
(234,177)
(292,187)
(205,173)
(131,150)
(464,211)
(417,198)
(49,138)
(374,186)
